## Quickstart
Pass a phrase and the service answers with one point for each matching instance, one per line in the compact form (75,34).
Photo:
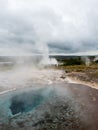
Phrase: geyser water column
(44,32)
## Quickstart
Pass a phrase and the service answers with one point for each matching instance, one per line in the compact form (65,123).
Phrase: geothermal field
(48,64)
(44,97)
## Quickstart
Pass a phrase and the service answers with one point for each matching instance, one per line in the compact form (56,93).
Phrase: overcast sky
(48,26)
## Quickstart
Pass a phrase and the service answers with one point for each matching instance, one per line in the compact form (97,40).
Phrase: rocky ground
(84,78)
(87,75)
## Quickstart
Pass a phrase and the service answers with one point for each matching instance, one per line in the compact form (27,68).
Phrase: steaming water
(41,98)
(42,106)
(33,88)
(28,100)
(24,77)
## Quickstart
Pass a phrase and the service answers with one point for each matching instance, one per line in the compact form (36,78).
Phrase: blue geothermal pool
(55,106)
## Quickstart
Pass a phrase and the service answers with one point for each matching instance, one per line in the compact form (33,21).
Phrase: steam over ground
(25,76)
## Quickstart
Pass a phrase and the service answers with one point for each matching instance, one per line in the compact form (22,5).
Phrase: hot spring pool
(23,101)
(50,107)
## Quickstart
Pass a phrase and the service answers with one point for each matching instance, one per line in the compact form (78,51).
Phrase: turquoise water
(26,101)
(33,104)
(23,101)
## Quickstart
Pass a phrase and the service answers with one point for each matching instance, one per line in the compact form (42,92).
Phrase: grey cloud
(53,26)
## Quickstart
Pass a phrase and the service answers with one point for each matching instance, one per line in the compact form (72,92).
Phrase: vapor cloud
(48,26)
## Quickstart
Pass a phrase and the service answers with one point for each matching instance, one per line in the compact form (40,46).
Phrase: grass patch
(79,68)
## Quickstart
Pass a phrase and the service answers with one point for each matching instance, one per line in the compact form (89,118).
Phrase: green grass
(79,68)
(4,68)
(95,74)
